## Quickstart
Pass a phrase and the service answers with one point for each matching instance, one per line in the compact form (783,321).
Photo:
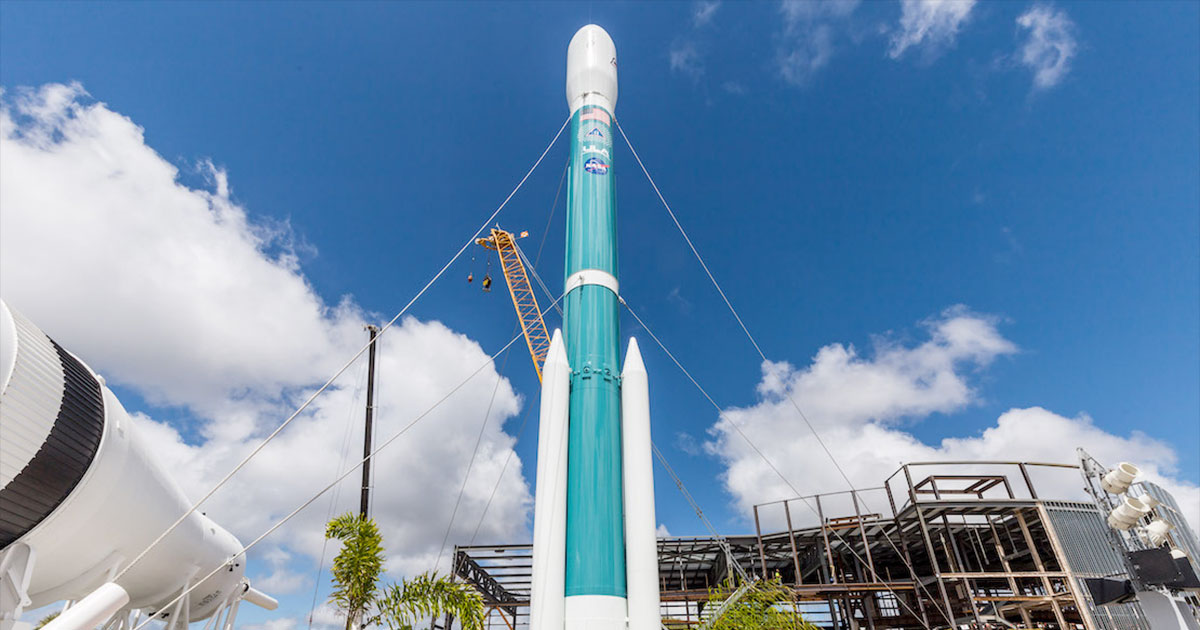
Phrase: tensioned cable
(761,354)
(352,359)
(529,408)
(700,513)
(352,469)
(491,497)
(474,453)
(487,415)
(721,414)
(536,276)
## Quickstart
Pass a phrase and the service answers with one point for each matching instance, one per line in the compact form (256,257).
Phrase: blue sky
(843,191)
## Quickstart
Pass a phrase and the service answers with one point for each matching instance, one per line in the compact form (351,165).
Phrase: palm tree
(356,572)
(357,566)
(430,596)
(767,605)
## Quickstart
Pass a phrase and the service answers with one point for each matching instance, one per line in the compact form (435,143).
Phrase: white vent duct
(1126,515)
(1118,479)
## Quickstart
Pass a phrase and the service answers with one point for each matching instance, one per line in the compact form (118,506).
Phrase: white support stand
(16,567)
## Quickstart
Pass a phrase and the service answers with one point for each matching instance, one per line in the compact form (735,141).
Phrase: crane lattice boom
(528,312)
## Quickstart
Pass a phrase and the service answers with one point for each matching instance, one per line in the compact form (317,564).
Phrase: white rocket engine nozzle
(592,69)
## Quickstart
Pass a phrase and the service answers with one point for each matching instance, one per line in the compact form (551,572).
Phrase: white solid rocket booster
(641,540)
(548,595)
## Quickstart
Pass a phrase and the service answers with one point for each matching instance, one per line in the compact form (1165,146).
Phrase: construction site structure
(940,544)
(537,338)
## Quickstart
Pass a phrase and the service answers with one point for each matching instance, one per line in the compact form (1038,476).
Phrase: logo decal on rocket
(596,114)
(595,166)
(595,132)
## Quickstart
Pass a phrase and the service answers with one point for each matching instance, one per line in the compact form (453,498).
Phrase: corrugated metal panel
(31,400)
(66,452)
(1084,537)
(1182,534)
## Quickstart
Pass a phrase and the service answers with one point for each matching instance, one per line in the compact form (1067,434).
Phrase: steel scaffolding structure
(967,542)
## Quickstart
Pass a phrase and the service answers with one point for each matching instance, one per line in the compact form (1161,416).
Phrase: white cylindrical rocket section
(104,499)
(641,544)
(592,69)
(548,595)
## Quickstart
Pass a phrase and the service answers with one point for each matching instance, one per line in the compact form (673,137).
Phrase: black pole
(366,469)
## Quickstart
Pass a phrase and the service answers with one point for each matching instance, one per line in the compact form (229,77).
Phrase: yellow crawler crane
(530,316)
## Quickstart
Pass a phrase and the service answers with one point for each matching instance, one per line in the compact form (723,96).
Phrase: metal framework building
(953,543)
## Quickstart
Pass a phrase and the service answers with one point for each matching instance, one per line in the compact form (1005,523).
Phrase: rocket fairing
(595,555)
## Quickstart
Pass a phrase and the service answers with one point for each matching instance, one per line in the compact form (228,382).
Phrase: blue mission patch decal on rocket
(595,166)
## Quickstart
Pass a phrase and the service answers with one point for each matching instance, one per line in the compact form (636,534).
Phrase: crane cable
(763,356)
(348,363)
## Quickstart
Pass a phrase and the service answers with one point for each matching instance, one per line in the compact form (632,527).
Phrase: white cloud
(930,23)
(281,623)
(703,12)
(93,213)
(807,37)
(281,580)
(175,292)
(686,59)
(861,406)
(734,87)
(1049,44)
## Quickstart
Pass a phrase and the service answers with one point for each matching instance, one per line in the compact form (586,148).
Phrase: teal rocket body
(595,558)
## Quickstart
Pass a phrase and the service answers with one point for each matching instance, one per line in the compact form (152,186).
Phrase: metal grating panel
(1084,537)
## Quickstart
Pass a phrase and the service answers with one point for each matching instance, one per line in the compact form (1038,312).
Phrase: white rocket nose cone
(592,69)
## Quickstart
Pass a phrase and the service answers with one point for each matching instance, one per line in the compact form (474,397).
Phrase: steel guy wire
(721,414)
(347,473)
(528,409)
(474,453)
(761,354)
(348,363)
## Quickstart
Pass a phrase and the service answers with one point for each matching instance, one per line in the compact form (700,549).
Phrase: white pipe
(260,599)
(641,544)
(95,609)
(547,598)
